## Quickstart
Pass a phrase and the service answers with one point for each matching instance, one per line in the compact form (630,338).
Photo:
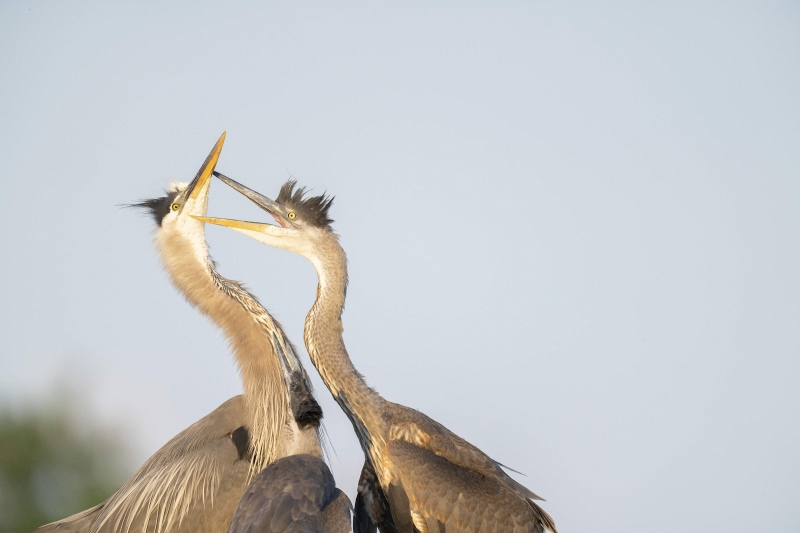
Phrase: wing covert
(418,429)
(445,495)
(289,495)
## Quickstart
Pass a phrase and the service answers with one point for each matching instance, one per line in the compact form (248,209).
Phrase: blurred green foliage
(55,461)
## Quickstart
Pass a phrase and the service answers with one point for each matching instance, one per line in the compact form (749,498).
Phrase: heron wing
(289,495)
(444,496)
(453,458)
(200,472)
(337,515)
(419,429)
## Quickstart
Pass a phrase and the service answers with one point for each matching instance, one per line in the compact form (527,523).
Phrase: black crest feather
(158,208)
(313,209)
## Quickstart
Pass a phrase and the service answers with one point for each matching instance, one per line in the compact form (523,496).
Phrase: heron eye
(291,215)
(175,207)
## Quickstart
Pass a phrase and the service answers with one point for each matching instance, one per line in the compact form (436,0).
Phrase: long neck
(323,337)
(254,336)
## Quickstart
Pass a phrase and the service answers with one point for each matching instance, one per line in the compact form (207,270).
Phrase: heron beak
(260,200)
(200,181)
(238,224)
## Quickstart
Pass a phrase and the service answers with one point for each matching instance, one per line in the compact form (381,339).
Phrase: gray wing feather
(337,516)
(362,523)
(372,508)
(287,496)
(192,483)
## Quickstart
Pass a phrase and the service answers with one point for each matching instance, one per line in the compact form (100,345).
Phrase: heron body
(418,475)
(196,481)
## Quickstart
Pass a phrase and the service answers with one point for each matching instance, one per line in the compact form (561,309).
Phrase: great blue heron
(196,481)
(430,479)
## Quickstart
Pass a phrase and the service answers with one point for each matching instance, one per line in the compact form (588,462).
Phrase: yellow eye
(291,215)
(175,207)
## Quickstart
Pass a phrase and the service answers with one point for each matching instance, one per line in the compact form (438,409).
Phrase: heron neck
(248,328)
(323,337)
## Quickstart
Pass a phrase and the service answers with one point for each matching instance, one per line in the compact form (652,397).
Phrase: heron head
(181,200)
(302,221)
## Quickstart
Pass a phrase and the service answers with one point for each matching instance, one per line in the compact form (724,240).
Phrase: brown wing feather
(417,428)
(457,499)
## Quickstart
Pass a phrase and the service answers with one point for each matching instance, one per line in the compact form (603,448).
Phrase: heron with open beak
(418,476)
(267,438)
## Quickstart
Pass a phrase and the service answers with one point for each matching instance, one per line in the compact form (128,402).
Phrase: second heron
(418,476)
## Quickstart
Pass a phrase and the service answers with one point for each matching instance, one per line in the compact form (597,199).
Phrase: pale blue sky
(572,228)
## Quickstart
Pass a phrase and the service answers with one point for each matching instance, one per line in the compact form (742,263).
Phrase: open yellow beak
(229,223)
(205,172)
